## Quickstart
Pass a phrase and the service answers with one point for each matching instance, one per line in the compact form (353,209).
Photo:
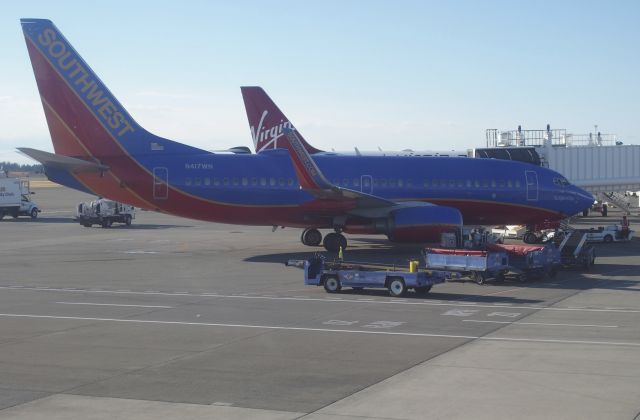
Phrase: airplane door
(160,183)
(532,185)
(366,184)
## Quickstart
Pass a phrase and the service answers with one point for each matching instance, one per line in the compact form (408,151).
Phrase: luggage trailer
(479,265)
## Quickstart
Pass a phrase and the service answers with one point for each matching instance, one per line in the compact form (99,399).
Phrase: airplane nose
(584,199)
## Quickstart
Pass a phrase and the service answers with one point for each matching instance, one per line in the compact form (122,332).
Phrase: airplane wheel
(397,287)
(311,237)
(333,241)
(332,284)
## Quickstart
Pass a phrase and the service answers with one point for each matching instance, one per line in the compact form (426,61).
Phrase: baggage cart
(531,261)
(479,265)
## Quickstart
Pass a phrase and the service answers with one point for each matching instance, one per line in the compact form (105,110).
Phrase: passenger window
(501,183)
(216,181)
(254,181)
(187,181)
(281,182)
(476,183)
(392,183)
(400,183)
(468,183)
(236,182)
(460,183)
(245,181)
(225,182)
(510,184)
(198,182)
(207,181)
(263,181)
(452,183)
(493,183)
(383,182)
(290,182)
(517,184)
(356,182)
(425,183)
(485,183)
(409,183)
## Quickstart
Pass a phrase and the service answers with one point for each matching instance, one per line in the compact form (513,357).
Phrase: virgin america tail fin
(267,122)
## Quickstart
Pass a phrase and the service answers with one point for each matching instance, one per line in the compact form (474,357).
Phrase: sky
(424,75)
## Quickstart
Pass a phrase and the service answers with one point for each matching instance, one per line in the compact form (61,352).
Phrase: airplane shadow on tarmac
(385,253)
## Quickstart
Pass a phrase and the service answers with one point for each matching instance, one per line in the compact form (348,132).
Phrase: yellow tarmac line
(43,184)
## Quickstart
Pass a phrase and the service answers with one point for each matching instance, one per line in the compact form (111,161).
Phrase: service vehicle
(15,198)
(333,276)
(479,265)
(607,234)
(104,212)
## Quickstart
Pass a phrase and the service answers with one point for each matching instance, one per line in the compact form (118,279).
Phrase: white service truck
(105,212)
(15,198)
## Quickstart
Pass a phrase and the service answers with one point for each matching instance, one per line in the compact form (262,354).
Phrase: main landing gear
(332,241)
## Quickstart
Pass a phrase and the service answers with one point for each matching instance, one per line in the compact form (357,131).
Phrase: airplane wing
(67,163)
(313,181)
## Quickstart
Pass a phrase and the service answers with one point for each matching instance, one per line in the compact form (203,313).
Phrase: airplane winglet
(71,164)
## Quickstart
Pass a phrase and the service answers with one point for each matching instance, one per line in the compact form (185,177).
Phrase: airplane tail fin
(84,118)
(267,122)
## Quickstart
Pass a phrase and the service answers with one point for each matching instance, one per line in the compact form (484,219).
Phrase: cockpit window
(561,182)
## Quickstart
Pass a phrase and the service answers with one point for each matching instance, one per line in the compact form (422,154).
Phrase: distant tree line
(17,167)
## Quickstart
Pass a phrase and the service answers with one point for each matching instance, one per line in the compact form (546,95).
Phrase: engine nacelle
(422,224)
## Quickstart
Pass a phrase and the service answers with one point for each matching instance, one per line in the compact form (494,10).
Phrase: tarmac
(185,319)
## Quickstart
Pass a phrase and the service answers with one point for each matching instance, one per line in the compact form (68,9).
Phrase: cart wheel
(332,284)
(423,290)
(479,277)
(608,239)
(127,220)
(106,223)
(34,213)
(397,287)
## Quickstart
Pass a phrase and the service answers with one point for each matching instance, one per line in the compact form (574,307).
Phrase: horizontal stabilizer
(67,163)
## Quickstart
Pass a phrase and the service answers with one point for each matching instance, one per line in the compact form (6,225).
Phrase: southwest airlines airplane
(101,150)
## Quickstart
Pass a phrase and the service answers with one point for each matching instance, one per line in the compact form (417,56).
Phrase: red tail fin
(267,122)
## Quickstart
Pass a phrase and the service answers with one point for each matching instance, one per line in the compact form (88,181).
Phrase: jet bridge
(596,162)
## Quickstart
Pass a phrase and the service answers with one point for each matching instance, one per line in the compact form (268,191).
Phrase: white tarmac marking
(341,300)
(541,323)
(114,304)
(372,332)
